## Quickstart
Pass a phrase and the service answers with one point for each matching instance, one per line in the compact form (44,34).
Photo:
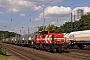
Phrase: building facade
(79,13)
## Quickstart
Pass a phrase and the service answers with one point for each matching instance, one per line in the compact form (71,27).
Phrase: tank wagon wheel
(80,46)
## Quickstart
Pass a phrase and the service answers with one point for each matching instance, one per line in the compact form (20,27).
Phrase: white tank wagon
(12,40)
(23,39)
(18,40)
(30,39)
(5,40)
(26,40)
(80,39)
(66,35)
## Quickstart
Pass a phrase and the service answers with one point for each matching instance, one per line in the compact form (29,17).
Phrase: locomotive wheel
(41,47)
(48,49)
(54,50)
(60,50)
(80,46)
(37,47)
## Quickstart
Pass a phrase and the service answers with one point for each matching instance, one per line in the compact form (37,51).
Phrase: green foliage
(51,27)
(2,50)
(6,34)
(59,30)
(85,22)
(42,28)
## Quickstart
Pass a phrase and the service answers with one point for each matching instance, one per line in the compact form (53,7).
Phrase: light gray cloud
(18,5)
(22,14)
(45,0)
(1,12)
(55,12)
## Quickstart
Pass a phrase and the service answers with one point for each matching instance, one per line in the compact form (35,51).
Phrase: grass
(2,50)
(3,57)
(2,53)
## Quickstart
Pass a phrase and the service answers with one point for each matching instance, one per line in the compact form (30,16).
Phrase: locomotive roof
(44,32)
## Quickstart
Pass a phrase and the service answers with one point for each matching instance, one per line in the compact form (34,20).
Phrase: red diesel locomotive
(49,41)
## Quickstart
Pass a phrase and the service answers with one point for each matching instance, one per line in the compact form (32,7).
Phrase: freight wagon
(79,39)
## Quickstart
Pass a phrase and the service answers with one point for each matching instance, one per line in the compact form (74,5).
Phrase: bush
(2,50)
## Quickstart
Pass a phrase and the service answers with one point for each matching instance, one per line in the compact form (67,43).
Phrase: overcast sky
(16,14)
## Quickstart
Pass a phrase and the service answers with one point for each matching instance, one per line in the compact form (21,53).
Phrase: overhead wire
(60,16)
(32,13)
(19,12)
(13,17)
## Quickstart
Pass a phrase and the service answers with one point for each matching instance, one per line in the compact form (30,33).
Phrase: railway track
(28,53)
(80,54)
(80,51)
(25,53)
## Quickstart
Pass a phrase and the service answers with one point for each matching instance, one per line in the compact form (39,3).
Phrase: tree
(76,26)
(59,30)
(85,22)
(51,27)
(6,34)
(41,28)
